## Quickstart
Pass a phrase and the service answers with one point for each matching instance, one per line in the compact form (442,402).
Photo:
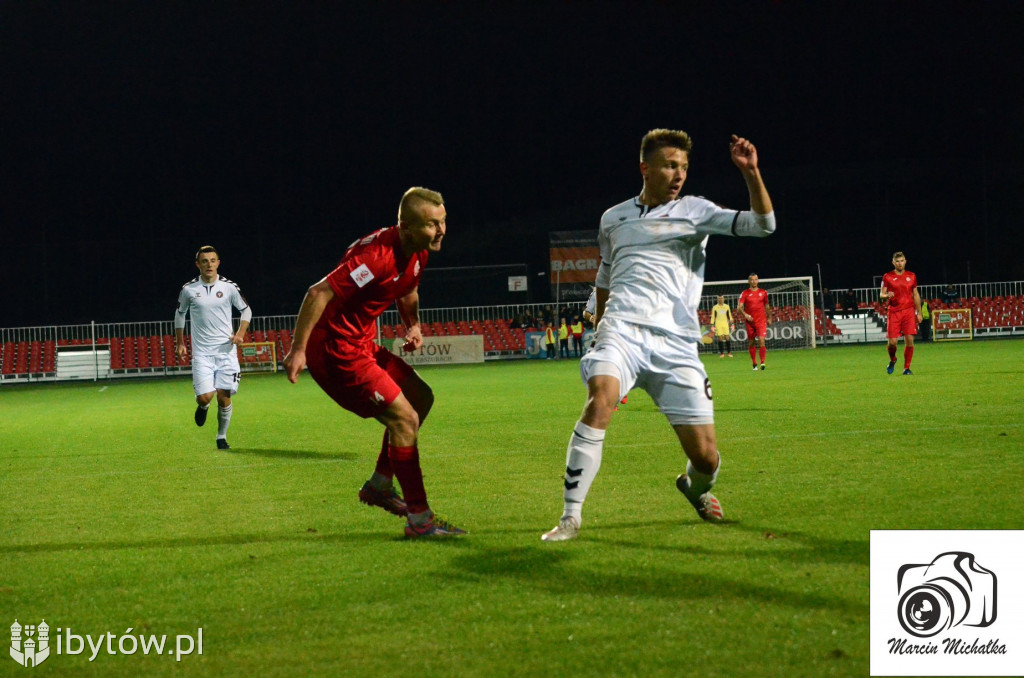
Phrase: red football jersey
(754,302)
(903,286)
(372,274)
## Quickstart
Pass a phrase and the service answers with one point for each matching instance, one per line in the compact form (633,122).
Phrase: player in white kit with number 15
(215,370)
(648,290)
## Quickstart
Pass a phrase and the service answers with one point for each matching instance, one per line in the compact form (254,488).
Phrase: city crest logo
(30,644)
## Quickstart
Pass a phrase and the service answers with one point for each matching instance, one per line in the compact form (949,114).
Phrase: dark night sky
(134,132)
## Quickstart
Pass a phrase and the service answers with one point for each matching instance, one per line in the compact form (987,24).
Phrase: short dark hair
(205,249)
(664,138)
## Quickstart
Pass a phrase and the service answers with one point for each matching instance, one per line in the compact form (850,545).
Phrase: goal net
(791,311)
(258,357)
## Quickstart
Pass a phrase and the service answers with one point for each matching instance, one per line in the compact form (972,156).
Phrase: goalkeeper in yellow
(721,320)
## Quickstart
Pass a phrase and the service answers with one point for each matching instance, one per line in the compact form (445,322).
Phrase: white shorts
(215,372)
(667,368)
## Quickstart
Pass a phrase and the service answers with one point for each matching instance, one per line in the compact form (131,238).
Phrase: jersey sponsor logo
(361,275)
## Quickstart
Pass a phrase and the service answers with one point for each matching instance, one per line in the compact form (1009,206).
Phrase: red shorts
(901,323)
(363,379)
(759,328)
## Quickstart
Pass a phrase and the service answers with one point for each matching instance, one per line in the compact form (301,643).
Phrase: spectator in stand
(828,304)
(517,322)
(563,340)
(950,296)
(577,336)
(850,304)
(925,328)
(549,340)
(548,315)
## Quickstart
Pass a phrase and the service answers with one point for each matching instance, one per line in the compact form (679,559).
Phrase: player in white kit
(215,370)
(648,290)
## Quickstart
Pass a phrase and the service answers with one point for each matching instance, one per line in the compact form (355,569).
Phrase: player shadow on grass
(555,570)
(352,538)
(293,454)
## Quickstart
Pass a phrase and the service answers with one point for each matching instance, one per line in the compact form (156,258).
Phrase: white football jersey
(591,306)
(652,259)
(210,306)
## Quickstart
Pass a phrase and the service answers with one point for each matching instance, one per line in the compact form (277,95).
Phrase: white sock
(582,461)
(701,482)
(223,420)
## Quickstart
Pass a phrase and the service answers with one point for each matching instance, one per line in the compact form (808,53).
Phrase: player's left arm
(245,317)
(767,313)
(917,305)
(744,156)
(409,310)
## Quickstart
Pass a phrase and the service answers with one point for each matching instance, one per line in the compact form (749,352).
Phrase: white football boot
(567,528)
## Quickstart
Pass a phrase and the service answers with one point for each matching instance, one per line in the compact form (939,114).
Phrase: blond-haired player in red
(899,288)
(334,336)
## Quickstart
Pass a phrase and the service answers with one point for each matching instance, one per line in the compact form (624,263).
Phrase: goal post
(952,324)
(791,301)
(259,356)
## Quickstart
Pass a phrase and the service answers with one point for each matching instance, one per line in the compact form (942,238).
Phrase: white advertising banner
(442,350)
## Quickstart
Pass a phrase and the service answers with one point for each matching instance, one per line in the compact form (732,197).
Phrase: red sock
(908,355)
(753,354)
(764,351)
(406,463)
(383,465)
(892,353)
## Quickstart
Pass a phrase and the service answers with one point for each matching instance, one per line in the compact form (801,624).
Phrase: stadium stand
(140,349)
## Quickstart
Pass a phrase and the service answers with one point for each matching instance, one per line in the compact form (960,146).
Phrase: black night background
(131,133)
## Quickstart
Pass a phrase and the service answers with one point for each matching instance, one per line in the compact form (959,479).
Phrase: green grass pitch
(117,513)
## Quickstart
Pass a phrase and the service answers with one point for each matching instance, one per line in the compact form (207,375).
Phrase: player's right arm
(179,325)
(601,298)
(742,310)
(885,294)
(313,305)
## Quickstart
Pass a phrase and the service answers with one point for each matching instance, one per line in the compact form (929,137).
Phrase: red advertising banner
(574,261)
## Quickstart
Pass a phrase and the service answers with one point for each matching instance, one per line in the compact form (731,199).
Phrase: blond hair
(664,138)
(417,193)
